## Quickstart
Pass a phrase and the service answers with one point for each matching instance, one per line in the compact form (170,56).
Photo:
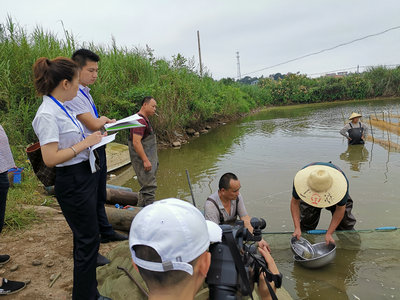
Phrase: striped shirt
(6,158)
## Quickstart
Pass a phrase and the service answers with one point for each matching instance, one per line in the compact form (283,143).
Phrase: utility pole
(238,66)
(198,43)
(358,69)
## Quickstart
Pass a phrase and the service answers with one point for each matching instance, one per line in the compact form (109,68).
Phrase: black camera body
(235,264)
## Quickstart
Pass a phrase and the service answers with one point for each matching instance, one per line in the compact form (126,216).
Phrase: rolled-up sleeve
(344,130)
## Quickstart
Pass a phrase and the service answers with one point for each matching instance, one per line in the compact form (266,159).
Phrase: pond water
(265,150)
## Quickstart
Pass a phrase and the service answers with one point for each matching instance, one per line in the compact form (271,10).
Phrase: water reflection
(355,155)
(266,150)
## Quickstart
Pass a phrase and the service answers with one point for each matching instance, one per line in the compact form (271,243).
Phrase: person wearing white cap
(168,236)
(316,186)
(169,240)
(355,131)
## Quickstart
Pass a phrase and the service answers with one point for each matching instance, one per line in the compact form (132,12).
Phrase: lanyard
(72,118)
(91,103)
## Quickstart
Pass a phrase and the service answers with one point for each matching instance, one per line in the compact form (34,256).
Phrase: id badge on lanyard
(91,103)
(73,119)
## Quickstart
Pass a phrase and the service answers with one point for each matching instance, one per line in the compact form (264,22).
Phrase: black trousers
(76,192)
(105,227)
(4,185)
(309,216)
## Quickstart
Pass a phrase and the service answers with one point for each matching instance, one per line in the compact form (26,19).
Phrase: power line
(323,50)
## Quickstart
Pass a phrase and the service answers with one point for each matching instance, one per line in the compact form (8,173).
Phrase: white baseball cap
(176,230)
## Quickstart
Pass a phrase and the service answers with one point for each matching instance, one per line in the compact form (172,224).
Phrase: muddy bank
(48,245)
(182,136)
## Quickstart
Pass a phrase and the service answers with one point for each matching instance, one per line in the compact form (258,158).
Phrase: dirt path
(50,243)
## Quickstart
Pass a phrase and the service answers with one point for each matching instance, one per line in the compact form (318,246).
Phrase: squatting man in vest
(169,243)
(316,186)
(226,205)
(355,131)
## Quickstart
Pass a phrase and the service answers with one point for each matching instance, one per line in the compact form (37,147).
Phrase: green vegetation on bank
(300,89)
(184,98)
(125,77)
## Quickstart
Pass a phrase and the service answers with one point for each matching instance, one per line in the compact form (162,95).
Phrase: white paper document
(105,140)
(125,123)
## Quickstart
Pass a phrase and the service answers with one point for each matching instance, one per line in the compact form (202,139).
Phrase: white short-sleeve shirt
(51,124)
(80,105)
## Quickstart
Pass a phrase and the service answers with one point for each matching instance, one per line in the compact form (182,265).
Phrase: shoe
(102,260)
(10,287)
(112,238)
(4,259)
(103,298)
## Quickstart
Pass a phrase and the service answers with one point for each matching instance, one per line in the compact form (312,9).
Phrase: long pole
(134,280)
(198,43)
(323,231)
(190,186)
(372,133)
(239,75)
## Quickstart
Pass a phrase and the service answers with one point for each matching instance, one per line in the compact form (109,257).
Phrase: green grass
(28,192)
(126,75)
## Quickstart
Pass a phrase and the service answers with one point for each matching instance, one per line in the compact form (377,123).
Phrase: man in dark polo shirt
(143,151)
(316,186)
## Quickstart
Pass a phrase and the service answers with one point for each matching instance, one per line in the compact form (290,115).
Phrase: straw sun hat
(354,115)
(320,186)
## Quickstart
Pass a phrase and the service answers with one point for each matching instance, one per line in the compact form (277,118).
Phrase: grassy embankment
(126,75)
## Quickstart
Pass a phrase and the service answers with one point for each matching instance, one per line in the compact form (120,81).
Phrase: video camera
(235,264)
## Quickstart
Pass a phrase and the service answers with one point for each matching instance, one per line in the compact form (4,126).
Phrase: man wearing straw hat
(316,186)
(355,131)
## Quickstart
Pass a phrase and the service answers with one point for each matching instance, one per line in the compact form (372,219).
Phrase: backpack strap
(237,204)
(221,217)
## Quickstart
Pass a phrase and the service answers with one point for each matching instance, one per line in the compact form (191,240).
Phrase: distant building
(337,75)
(254,82)
(330,75)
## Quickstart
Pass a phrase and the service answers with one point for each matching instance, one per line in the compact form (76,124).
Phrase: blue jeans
(4,185)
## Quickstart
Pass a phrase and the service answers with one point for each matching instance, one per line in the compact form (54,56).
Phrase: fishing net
(366,266)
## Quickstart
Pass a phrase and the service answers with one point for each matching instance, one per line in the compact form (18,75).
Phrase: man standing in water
(143,151)
(355,131)
(316,186)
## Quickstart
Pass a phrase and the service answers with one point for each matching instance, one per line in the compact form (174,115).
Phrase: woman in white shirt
(65,147)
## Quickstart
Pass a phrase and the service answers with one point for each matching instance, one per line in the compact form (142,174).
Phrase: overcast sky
(264,33)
